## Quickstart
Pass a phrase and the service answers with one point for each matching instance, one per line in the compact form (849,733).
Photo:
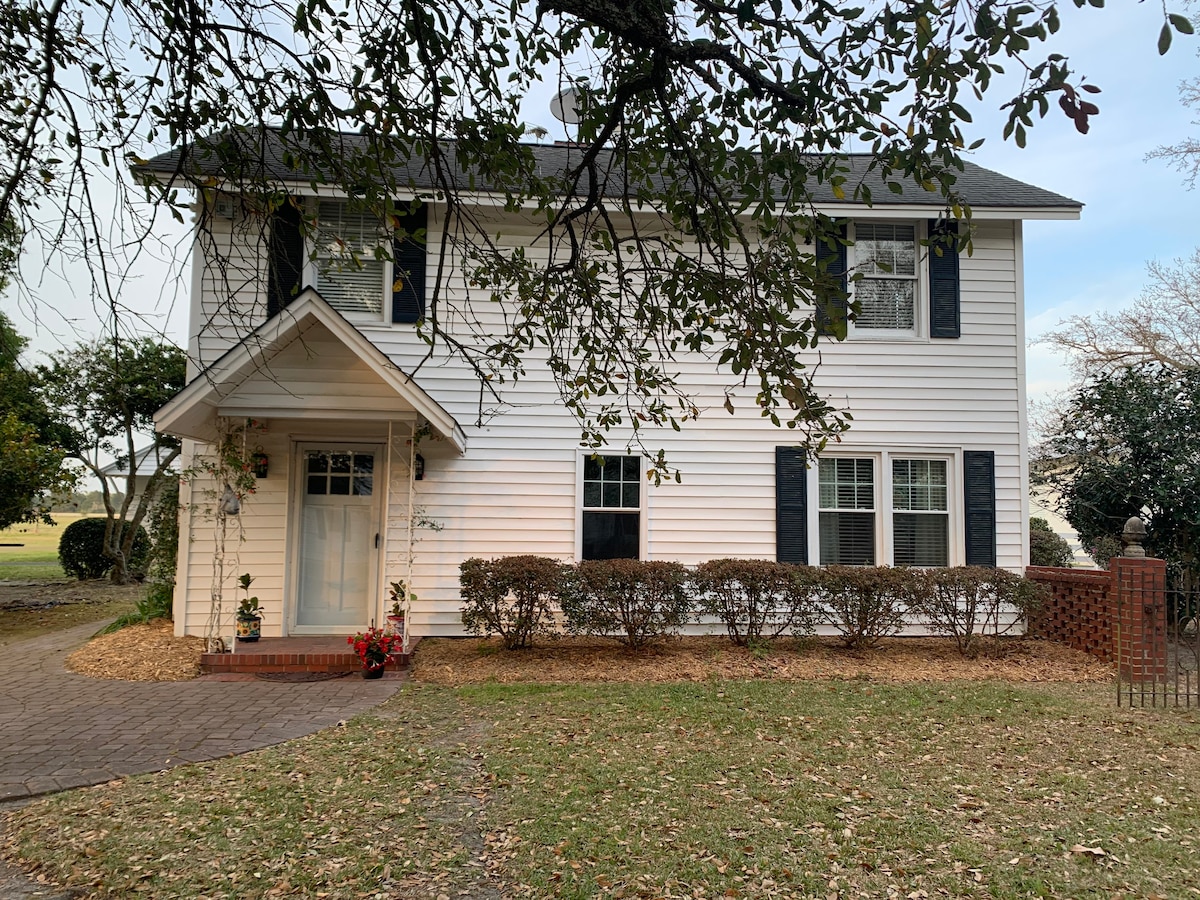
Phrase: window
(612,503)
(350,272)
(886,257)
(860,498)
(846,504)
(920,512)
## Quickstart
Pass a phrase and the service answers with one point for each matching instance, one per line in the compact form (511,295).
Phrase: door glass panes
(886,255)
(344,473)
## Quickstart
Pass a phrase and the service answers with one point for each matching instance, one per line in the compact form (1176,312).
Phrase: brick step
(302,654)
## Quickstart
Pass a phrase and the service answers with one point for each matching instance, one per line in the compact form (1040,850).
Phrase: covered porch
(333,428)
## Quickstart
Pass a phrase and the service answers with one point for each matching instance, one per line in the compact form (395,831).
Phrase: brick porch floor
(291,654)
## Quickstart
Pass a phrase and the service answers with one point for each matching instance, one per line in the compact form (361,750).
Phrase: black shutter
(408,270)
(944,291)
(791,505)
(285,261)
(979,489)
(832,307)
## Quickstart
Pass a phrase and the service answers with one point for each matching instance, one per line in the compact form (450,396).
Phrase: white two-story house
(358,435)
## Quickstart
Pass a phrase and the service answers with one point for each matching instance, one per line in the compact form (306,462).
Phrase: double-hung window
(920,512)
(886,256)
(612,504)
(352,268)
(846,491)
(856,506)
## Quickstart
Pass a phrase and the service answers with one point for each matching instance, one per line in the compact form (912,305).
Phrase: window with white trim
(885,509)
(611,521)
(352,268)
(920,512)
(846,510)
(886,256)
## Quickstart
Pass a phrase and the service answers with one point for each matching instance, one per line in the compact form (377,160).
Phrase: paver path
(60,730)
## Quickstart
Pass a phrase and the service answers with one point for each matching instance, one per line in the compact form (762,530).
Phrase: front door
(338,536)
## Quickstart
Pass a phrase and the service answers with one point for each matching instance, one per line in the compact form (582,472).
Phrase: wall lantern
(259,462)
(418,467)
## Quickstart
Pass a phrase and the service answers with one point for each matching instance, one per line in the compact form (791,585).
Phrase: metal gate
(1158,647)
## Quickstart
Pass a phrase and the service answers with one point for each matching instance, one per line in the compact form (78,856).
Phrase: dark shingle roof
(262,155)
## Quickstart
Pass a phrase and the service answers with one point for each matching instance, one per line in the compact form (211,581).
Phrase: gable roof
(192,411)
(263,154)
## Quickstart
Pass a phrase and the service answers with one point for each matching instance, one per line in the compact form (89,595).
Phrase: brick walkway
(59,730)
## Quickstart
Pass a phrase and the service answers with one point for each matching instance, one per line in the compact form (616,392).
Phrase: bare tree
(1162,326)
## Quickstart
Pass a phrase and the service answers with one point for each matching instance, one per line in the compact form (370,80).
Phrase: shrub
(867,603)
(967,601)
(636,602)
(756,597)
(81,549)
(1045,547)
(511,596)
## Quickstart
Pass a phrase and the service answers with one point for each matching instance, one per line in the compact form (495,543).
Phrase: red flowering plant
(375,646)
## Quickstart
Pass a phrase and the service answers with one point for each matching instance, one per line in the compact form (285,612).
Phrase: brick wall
(1080,611)
(1118,615)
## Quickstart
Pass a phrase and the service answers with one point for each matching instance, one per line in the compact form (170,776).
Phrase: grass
(68,604)
(718,788)
(37,559)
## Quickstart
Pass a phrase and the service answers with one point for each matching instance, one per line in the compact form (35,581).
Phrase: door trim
(294,536)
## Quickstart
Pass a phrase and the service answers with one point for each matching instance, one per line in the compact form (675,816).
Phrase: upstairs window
(351,270)
(886,256)
(612,505)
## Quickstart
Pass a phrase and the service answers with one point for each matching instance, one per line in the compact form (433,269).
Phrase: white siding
(514,490)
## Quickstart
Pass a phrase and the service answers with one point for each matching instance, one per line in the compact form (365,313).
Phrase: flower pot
(249,630)
(396,624)
(374,671)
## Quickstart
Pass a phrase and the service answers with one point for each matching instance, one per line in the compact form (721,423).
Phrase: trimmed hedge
(757,598)
(512,596)
(638,602)
(634,601)
(81,549)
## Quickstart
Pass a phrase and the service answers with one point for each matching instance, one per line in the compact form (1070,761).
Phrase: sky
(1135,210)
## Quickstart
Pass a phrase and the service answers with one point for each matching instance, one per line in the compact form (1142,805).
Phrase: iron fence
(1158,648)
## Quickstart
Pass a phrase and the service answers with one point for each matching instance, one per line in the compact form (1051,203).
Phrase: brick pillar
(1139,606)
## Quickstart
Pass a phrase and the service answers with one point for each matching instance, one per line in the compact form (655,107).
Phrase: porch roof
(193,412)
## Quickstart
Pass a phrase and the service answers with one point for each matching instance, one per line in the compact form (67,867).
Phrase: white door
(338,537)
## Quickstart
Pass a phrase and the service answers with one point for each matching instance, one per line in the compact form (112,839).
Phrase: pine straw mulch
(568,660)
(149,652)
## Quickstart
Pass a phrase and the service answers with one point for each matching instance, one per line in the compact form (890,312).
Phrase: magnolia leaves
(1076,107)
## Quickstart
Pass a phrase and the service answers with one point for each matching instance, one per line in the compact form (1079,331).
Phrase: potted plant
(400,597)
(374,648)
(249,613)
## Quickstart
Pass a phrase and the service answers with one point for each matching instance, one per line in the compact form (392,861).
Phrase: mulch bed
(452,661)
(149,652)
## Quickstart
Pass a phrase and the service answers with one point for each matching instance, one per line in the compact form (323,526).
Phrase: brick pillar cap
(1132,537)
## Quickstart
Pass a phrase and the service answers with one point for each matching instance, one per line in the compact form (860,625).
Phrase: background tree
(1185,155)
(695,115)
(107,394)
(1128,443)
(31,442)
(1045,547)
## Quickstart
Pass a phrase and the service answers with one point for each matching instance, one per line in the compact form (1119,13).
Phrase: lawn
(37,559)
(829,789)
